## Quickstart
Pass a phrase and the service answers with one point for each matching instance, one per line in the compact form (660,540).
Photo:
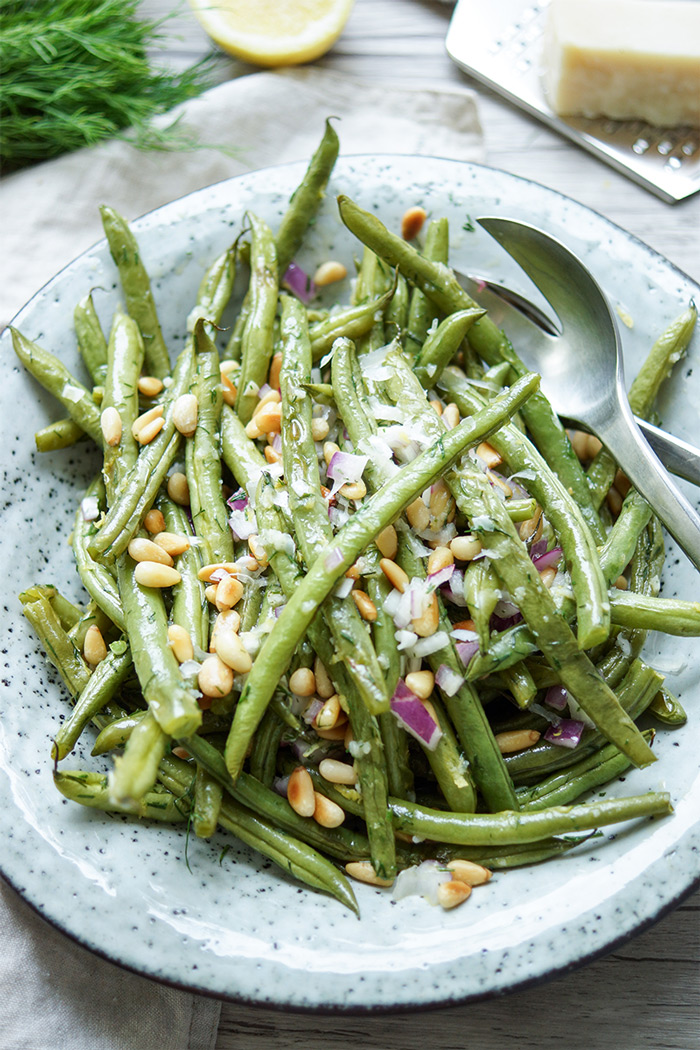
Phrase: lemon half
(273,32)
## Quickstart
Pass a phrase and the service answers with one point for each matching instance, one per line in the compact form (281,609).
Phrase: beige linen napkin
(56,994)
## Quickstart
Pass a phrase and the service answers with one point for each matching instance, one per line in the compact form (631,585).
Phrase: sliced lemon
(273,32)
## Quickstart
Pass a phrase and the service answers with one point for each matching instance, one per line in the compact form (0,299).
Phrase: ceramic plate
(234,926)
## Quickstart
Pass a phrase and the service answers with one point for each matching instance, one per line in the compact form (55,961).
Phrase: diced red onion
(466,650)
(89,508)
(431,644)
(345,467)
(415,717)
(549,560)
(218,575)
(299,283)
(333,559)
(448,680)
(277,443)
(242,525)
(344,587)
(538,548)
(279,785)
(278,610)
(264,390)
(565,733)
(441,576)
(311,710)
(556,697)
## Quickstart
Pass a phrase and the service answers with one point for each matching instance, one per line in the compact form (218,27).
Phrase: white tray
(500,44)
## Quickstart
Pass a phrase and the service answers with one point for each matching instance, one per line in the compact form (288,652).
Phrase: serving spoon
(582,372)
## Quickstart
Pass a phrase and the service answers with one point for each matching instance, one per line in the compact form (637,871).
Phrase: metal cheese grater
(501,44)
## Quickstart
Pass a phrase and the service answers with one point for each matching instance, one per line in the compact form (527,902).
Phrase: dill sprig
(75,72)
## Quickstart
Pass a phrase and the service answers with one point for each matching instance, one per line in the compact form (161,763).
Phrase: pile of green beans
(339,512)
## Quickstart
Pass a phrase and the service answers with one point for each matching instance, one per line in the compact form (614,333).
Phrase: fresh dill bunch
(75,72)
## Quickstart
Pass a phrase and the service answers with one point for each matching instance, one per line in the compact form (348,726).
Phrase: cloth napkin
(56,994)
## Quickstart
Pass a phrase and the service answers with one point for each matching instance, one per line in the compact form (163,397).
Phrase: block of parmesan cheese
(625,59)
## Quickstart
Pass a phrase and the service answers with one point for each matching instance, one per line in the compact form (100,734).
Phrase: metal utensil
(532,332)
(582,369)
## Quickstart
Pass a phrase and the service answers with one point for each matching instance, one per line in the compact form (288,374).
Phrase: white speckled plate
(236,927)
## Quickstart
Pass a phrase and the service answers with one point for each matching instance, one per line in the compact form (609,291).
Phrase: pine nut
(593,446)
(228,389)
(185,412)
(172,543)
(231,650)
(621,583)
(111,424)
(418,515)
(141,549)
(579,443)
(353,572)
(488,453)
(337,772)
(324,686)
(94,647)
(154,522)
(252,430)
(319,429)
(335,733)
(227,620)
(145,418)
(207,571)
(326,813)
(228,365)
(210,593)
(427,623)
(516,740)
(181,752)
(329,714)
(436,406)
(269,418)
(412,222)
(441,558)
(468,872)
(614,502)
(465,548)
(154,574)
(387,542)
(450,416)
(303,681)
(329,272)
(421,683)
(441,506)
(215,678)
(272,397)
(151,430)
(622,483)
(548,575)
(275,368)
(150,386)
(228,593)
(178,489)
(365,606)
(464,625)
(329,450)
(530,531)
(452,893)
(271,456)
(394,574)
(300,792)
(500,483)
(348,736)
(180,643)
(354,490)
(362,871)
(258,551)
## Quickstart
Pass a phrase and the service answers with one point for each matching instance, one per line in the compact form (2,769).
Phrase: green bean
(667,708)
(91,789)
(257,346)
(55,377)
(91,341)
(189,608)
(396,316)
(102,685)
(306,199)
(125,354)
(67,611)
(135,771)
(422,314)
(61,434)
(208,796)
(349,323)
(374,515)
(136,285)
(116,733)
(482,594)
(442,344)
(647,613)
(263,755)
(59,649)
(97,580)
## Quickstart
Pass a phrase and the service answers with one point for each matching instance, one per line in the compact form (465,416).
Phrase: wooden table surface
(645,994)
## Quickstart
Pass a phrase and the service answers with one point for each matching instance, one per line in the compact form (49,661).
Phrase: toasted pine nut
(427,623)
(150,430)
(178,489)
(421,683)
(418,515)
(516,740)
(464,625)
(180,643)
(450,416)
(269,419)
(319,428)
(252,429)
(468,872)
(154,522)
(579,443)
(394,574)
(530,530)
(337,772)
(614,501)
(366,607)
(354,490)
(275,367)
(227,620)
(441,558)
(228,389)
(452,893)
(145,418)
(329,450)
(111,424)
(593,446)
(441,506)
(94,647)
(173,543)
(353,572)
(228,365)
(141,549)
(326,813)
(181,752)
(324,686)
(387,542)
(465,548)
(300,792)
(362,871)
(215,678)
(548,575)
(303,681)
(210,593)
(622,483)
(329,272)
(258,551)
(271,456)
(150,386)
(348,736)
(437,406)
(185,412)
(231,650)
(412,222)
(329,714)
(228,593)
(154,574)
(488,453)
(207,571)
(621,583)
(272,397)
(336,732)
(500,483)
